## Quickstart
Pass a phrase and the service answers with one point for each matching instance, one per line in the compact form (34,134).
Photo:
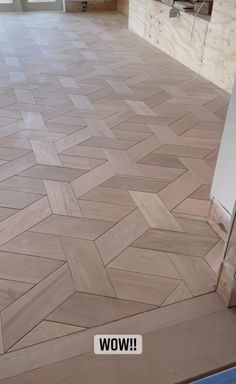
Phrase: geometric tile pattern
(107,153)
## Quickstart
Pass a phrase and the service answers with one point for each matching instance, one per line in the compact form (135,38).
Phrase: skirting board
(219,219)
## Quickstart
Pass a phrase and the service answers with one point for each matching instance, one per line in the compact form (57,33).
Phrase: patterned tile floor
(107,153)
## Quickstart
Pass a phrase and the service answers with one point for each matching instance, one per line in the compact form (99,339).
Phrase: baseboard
(219,219)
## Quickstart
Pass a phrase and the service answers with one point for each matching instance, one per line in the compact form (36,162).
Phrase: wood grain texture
(62,199)
(86,267)
(23,220)
(107,152)
(154,211)
(37,304)
(121,236)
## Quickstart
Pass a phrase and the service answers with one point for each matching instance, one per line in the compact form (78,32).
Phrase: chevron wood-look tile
(23,184)
(34,120)
(46,330)
(107,154)
(73,139)
(45,153)
(24,96)
(80,162)
(81,102)
(180,293)
(176,242)
(87,269)
(73,226)
(82,151)
(92,179)
(121,236)
(37,304)
(37,244)
(136,183)
(49,172)
(62,199)
(200,169)
(184,151)
(16,199)
(98,128)
(194,207)
(28,269)
(140,287)
(109,195)
(87,310)
(196,272)
(11,290)
(154,211)
(21,221)
(145,261)
(15,166)
(104,211)
(179,190)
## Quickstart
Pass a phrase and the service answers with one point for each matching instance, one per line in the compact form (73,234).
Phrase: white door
(30,5)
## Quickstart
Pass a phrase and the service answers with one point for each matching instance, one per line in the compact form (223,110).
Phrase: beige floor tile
(145,261)
(45,153)
(180,293)
(73,227)
(37,244)
(140,287)
(183,151)
(23,184)
(140,108)
(154,211)
(200,169)
(28,269)
(15,166)
(87,270)
(21,221)
(85,163)
(176,242)
(91,310)
(92,179)
(46,330)
(11,290)
(104,211)
(37,304)
(120,236)
(73,139)
(62,199)
(135,183)
(194,207)
(49,172)
(34,120)
(110,196)
(196,273)
(104,120)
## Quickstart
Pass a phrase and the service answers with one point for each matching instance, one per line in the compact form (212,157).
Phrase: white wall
(224,184)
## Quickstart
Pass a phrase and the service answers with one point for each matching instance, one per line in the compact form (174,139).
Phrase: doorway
(30,5)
